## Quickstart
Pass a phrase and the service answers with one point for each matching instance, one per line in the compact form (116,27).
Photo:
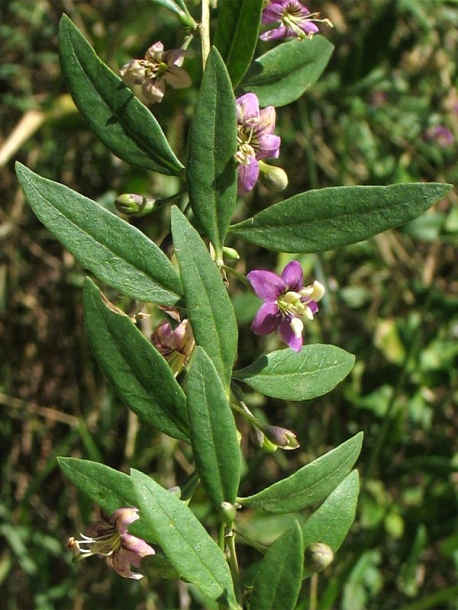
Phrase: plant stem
(205,31)
(233,565)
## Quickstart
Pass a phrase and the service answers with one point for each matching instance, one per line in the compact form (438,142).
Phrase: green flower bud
(273,178)
(131,204)
(229,512)
(318,556)
(280,437)
(231,253)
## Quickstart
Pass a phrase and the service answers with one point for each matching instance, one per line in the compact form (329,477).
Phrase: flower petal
(276,34)
(288,336)
(136,546)
(121,562)
(267,285)
(268,146)
(247,107)
(273,12)
(153,90)
(267,118)
(123,517)
(293,276)
(177,78)
(267,319)
(247,176)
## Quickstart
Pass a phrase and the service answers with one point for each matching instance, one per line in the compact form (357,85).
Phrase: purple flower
(286,303)
(293,20)
(109,537)
(157,69)
(441,135)
(255,139)
(175,345)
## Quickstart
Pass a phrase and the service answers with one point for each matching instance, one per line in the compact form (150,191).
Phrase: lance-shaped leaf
(311,483)
(112,111)
(116,252)
(108,488)
(237,33)
(289,375)
(337,216)
(194,554)
(283,74)
(209,306)
(212,170)
(212,428)
(138,372)
(278,582)
(331,522)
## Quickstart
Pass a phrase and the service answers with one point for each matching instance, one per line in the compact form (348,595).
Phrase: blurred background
(385,111)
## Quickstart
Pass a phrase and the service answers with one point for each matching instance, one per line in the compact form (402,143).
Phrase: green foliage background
(392,301)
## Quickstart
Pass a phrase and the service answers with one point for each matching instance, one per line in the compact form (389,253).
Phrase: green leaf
(337,216)
(283,74)
(178,7)
(209,306)
(278,583)
(213,432)
(116,252)
(138,372)
(108,488)
(331,522)
(310,484)
(237,34)
(194,554)
(116,116)
(289,375)
(212,171)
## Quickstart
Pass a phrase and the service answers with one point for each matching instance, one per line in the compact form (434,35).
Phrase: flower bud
(231,253)
(176,345)
(318,556)
(273,178)
(281,437)
(131,204)
(229,512)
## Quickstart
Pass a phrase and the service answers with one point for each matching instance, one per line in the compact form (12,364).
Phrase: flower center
(247,141)
(106,544)
(295,304)
(294,16)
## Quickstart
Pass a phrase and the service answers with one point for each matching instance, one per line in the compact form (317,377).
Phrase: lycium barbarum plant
(184,379)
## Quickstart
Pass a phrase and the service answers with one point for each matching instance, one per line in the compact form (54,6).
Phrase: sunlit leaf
(337,216)
(289,375)
(102,242)
(115,115)
(283,74)
(278,581)
(311,483)
(212,171)
(138,372)
(331,522)
(213,433)
(186,543)
(209,306)
(236,34)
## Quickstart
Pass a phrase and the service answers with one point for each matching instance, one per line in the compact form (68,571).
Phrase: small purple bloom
(158,69)
(109,537)
(255,139)
(286,303)
(176,345)
(441,135)
(292,18)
